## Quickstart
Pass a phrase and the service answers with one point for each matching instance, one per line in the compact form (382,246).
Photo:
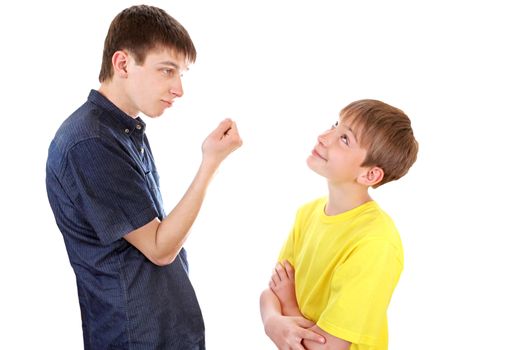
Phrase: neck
(345,198)
(118,97)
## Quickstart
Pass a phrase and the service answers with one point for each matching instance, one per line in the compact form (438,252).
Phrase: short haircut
(140,29)
(386,133)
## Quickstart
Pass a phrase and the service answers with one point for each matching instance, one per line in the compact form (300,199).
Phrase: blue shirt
(102,183)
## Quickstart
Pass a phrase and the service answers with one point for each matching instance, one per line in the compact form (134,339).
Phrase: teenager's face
(337,155)
(153,86)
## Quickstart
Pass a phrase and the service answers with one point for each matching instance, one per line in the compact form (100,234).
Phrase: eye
(334,125)
(168,71)
(345,139)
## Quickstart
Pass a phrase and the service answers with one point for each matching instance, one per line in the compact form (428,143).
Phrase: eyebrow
(169,63)
(183,69)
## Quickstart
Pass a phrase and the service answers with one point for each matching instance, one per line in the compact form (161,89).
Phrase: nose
(324,138)
(177,89)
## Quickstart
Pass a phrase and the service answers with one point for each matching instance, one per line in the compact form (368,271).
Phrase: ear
(371,176)
(120,63)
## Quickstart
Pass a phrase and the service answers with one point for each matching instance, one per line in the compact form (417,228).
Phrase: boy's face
(337,155)
(153,86)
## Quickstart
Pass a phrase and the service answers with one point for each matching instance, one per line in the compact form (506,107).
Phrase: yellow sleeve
(361,290)
(287,252)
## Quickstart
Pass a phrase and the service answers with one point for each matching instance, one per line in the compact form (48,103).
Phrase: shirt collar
(124,120)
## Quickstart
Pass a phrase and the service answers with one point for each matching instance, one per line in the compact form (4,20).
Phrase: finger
(223,127)
(272,285)
(281,271)
(289,269)
(298,346)
(274,277)
(233,135)
(310,335)
(233,129)
(304,322)
(274,281)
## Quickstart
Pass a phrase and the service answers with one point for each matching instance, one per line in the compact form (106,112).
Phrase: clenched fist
(221,142)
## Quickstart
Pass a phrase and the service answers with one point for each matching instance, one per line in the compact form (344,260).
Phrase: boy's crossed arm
(286,331)
(282,286)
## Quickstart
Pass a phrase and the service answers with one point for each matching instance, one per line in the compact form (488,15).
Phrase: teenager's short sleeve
(110,190)
(361,290)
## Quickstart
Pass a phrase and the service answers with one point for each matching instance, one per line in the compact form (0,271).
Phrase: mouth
(167,103)
(317,155)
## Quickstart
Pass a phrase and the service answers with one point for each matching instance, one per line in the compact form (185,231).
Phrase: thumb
(313,336)
(222,127)
(233,130)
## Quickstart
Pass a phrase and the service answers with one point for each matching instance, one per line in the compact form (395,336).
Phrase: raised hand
(221,142)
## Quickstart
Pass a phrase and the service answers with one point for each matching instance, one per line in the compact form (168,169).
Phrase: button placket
(139,127)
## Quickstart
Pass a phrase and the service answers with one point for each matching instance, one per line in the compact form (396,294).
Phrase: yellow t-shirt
(347,267)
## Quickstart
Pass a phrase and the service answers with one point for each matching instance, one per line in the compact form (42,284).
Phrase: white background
(282,70)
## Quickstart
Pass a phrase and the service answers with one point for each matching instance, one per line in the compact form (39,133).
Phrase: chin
(152,114)
(310,162)
(310,165)
(313,167)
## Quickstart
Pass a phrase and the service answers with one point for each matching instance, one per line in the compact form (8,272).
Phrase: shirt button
(141,150)
(127,131)
(139,127)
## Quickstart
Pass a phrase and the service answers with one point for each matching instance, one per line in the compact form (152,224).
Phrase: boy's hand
(221,142)
(287,332)
(283,285)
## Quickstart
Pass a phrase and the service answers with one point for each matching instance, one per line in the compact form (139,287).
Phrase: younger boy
(345,250)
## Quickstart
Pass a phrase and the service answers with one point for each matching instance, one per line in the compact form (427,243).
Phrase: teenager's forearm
(161,241)
(174,228)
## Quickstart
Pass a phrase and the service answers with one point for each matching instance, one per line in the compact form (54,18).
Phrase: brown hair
(140,29)
(386,132)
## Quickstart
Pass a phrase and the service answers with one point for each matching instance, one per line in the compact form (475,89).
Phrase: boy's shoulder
(311,207)
(313,204)
(374,224)
(376,216)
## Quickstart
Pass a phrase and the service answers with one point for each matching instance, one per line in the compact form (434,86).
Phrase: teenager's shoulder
(85,127)
(82,124)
